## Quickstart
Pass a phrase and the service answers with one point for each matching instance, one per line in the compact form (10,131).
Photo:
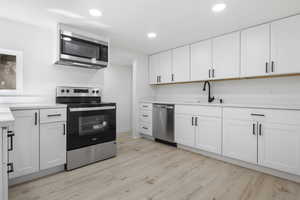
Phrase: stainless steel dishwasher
(163,122)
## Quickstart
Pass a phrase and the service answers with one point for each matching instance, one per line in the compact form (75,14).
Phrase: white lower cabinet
(145,119)
(5,131)
(279,143)
(269,138)
(25,153)
(39,142)
(184,130)
(52,144)
(208,134)
(239,141)
(199,127)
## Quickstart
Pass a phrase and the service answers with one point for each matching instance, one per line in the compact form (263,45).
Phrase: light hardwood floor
(145,170)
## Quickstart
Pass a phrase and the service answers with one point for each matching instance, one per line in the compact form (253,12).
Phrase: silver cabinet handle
(192,121)
(145,128)
(172,77)
(209,73)
(145,115)
(10,134)
(213,73)
(272,66)
(35,118)
(260,130)
(267,65)
(54,115)
(253,129)
(255,114)
(196,121)
(10,167)
(64,127)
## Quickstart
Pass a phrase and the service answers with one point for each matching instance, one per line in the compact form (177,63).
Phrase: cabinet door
(165,67)
(255,51)
(25,155)
(181,64)
(208,134)
(184,130)
(285,42)
(240,140)
(52,144)
(154,68)
(226,56)
(4,161)
(279,147)
(201,60)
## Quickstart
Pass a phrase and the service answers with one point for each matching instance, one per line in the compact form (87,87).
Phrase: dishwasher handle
(165,106)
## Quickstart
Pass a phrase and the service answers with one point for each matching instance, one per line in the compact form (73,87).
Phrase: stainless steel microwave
(80,51)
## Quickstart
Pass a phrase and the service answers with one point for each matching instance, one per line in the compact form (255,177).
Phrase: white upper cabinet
(201,60)
(165,67)
(285,42)
(255,51)
(154,68)
(226,56)
(160,67)
(25,153)
(181,64)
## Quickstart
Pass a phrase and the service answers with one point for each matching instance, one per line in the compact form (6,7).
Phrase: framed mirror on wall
(11,72)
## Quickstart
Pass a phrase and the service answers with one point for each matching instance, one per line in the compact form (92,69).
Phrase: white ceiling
(177,22)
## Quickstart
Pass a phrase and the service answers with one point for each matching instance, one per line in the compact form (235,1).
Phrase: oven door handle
(92,108)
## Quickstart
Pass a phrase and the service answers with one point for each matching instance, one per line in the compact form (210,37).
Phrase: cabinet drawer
(199,110)
(146,106)
(146,116)
(145,128)
(269,115)
(52,115)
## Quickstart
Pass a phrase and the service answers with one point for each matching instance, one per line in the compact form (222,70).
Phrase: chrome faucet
(210,99)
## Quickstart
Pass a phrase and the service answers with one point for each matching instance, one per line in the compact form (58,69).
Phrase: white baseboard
(37,175)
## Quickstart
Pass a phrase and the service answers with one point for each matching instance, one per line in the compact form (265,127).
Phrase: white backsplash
(271,91)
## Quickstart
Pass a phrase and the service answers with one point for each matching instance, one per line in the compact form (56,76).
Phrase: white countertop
(35,106)
(6,114)
(238,105)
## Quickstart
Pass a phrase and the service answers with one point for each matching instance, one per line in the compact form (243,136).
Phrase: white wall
(41,76)
(140,89)
(117,88)
(38,45)
(280,90)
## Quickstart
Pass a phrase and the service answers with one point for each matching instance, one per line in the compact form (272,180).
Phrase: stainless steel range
(91,126)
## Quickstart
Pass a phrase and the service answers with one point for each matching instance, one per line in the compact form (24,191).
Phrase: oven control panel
(78,92)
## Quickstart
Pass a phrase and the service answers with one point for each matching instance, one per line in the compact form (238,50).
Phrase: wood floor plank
(146,170)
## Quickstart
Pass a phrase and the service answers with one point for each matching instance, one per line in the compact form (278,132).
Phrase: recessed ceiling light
(151,35)
(95,13)
(219,7)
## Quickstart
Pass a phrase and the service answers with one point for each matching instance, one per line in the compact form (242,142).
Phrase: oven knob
(68,91)
(93,91)
(97,91)
(62,91)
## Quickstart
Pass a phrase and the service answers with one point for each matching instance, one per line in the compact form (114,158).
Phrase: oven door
(90,125)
